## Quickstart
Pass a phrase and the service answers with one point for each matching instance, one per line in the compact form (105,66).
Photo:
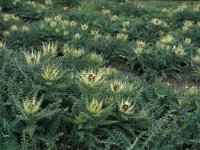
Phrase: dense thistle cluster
(56,91)
(115,33)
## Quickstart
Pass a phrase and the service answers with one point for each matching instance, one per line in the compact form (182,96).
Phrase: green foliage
(57,91)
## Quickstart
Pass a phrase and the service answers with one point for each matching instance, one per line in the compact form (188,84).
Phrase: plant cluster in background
(57,91)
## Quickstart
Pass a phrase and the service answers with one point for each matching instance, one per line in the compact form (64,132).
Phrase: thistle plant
(167,39)
(122,36)
(179,51)
(70,51)
(126,107)
(84,27)
(193,91)
(156,21)
(94,107)
(80,120)
(91,78)
(95,58)
(88,107)
(117,86)
(51,74)
(31,107)
(49,49)
(32,58)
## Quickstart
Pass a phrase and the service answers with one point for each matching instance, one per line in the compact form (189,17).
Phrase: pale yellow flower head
(126,107)
(95,107)
(188,23)
(167,39)
(53,24)
(91,78)
(13,28)
(156,21)
(96,58)
(188,41)
(6,33)
(122,36)
(196,59)
(84,27)
(49,48)
(51,73)
(179,51)
(193,91)
(117,86)
(32,58)
(25,29)
(126,24)
(69,51)
(2,44)
(106,12)
(31,107)
(77,36)
(114,18)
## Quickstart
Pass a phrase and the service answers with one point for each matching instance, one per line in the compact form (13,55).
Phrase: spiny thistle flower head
(65,33)
(192,91)
(126,107)
(106,12)
(2,44)
(6,33)
(122,36)
(91,78)
(72,23)
(156,21)
(49,48)
(138,50)
(196,59)
(198,23)
(167,39)
(126,24)
(69,51)
(188,41)
(25,29)
(13,28)
(32,58)
(65,23)
(179,51)
(94,32)
(84,27)
(188,23)
(79,120)
(51,73)
(95,107)
(140,43)
(117,86)
(96,58)
(58,18)
(77,36)
(47,19)
(31,107)
(114,18)
(53,24)
(185,28)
